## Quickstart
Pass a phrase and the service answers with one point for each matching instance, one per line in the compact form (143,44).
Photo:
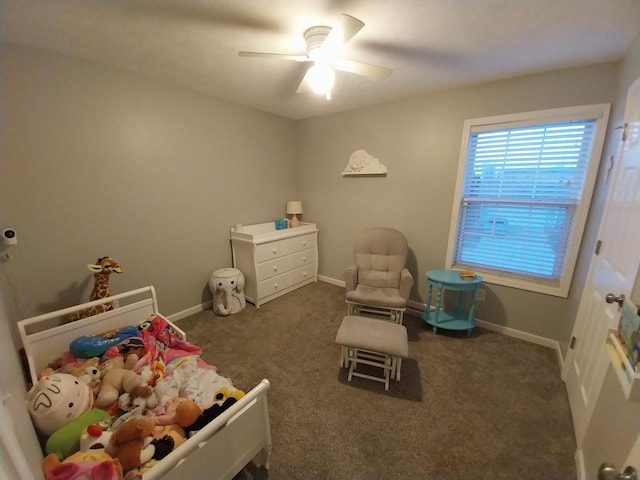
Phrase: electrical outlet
(481,295)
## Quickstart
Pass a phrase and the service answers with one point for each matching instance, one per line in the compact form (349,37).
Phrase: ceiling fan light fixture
(321,78)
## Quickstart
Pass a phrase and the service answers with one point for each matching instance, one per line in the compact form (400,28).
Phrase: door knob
(611,297)
(607,471)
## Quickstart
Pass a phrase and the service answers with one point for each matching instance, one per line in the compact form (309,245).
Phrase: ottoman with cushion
(371,341)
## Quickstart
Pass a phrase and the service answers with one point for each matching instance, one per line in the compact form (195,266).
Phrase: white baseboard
(332,281)
(190,311)
(419,307)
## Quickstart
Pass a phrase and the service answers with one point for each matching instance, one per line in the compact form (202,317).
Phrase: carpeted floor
(484,407)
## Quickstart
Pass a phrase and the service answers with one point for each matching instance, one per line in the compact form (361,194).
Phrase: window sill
(521,284)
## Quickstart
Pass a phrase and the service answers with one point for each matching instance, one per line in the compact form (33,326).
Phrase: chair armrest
(351,277)
(406,283)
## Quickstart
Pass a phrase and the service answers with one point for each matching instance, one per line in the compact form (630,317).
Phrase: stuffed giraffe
(101,270)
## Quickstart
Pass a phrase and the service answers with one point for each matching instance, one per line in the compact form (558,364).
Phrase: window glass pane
(519,197)
(514,238)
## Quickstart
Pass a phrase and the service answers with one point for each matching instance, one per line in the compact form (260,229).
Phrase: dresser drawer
(305,257)
(268,251)
(274,267)
(273,285)
(303,242)
(307,272)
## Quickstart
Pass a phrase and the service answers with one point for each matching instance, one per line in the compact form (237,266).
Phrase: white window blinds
(522,185)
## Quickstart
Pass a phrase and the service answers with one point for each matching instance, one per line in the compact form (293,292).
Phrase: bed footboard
(226,445)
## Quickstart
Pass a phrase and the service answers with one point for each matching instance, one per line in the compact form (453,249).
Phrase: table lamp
(294,208)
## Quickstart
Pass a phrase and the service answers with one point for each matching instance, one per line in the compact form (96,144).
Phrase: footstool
(371,341)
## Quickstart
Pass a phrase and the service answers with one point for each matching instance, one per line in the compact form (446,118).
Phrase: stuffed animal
(131,443)
(56,400)
(181,411)
(224,398)
(117,379)
(94,437)
(128,402)
(87,371)
(64,441)
(167,440)
(92,465)
(85,346)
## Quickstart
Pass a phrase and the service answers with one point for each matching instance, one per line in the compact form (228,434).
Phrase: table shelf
(443,280)
(448,320)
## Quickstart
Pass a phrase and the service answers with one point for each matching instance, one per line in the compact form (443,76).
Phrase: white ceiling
(430,44)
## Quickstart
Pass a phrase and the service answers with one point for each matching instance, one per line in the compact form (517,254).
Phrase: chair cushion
(373,335)
(381,254)
(381,297)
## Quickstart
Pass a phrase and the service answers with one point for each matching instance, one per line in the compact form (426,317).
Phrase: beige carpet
(484,407)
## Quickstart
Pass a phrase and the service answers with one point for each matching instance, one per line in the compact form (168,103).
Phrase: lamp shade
(294,207)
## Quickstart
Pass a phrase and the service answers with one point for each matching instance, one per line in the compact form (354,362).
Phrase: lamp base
(294,222)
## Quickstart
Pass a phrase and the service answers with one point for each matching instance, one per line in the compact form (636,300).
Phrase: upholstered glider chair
(378,284)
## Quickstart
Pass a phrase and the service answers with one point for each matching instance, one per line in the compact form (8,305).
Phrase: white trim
(190,311)
(579,457)
(332,281)
(600,112)
(417,308)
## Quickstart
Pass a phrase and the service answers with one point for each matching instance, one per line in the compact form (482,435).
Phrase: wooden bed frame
(220,450)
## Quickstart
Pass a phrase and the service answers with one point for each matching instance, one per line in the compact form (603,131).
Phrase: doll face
(56,400)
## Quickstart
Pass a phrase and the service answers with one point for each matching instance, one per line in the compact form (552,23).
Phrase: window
(522,195)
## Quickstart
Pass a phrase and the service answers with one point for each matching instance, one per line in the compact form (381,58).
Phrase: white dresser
(274,262)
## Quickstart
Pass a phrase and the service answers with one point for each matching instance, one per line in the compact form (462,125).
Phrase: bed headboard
(43,342)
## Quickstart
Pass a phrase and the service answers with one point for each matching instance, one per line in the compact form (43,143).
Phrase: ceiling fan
(324,48)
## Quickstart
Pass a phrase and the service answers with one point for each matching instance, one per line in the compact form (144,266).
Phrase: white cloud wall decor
(363,163)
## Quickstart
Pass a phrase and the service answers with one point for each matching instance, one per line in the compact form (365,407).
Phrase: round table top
(225,272)
(451,277)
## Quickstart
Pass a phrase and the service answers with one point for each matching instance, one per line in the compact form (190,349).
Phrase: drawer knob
(275,269)
(304,259)
(275,286)
(275,251)
(304,243)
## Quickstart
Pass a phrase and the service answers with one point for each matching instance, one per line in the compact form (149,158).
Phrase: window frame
(598,112)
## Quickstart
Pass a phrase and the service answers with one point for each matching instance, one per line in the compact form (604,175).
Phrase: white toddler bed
(220,450)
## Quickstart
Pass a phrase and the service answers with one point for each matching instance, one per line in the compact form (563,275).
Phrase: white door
(613,270)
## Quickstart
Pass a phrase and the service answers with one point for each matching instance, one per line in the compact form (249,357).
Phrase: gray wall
(418,140)
(96,161)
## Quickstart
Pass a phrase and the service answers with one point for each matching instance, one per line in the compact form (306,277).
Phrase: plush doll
(56,400)
(167,440)
(178,410)
(91,465)
(224,398)
(96,346)
(131,443)
(94,437)
(117,379)
(128,402)
(87,371)
(64,441)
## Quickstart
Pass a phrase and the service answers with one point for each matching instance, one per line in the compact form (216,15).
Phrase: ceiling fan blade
(304,86)
(364,69)
(280,56)
(341,33)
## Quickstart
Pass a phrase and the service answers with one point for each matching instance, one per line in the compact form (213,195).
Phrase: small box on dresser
(274,262)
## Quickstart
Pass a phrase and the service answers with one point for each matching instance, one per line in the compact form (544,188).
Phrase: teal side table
(451,320)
